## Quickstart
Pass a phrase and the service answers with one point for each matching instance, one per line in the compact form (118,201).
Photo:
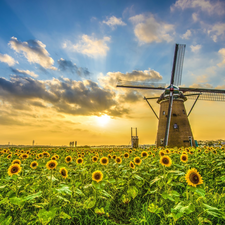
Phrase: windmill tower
(174,129)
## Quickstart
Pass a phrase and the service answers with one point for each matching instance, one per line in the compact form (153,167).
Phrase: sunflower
(214,152)
(153,155)
(191,152)
(46,154)
(54,158)
(109,156)
(94,159)
(16,161)
(149,152)
(34,165)
(97,176)
(14,169)
(40,155)
(57,157)
(137,160)
(144,154)
(51,164)
(193,178)
(166,161)
(118,160)
(206,151)
(114,157)
(184,158)
(24,156)
(104,161)
(68,159)
(63,171)
(161,153)
(79,160)
(9,156)
(167,151)
(132,166)
(126,155)
(130,151)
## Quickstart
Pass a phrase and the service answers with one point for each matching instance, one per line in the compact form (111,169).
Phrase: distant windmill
(173,127)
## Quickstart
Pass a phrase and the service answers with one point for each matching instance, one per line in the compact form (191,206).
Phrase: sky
(60,62)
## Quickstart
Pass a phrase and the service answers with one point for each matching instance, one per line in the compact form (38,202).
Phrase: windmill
(174,129)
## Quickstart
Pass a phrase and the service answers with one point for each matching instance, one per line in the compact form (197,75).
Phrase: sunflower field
(112,186)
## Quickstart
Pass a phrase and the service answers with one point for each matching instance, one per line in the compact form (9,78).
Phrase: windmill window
(183,111)
(175,126)
(164,112)
(174,114)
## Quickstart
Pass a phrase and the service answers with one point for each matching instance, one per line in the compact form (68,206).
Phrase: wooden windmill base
(180,134)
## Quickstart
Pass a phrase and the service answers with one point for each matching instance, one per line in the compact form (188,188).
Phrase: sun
(103,120)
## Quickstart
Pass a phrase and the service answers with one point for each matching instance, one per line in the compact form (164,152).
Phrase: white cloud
(222,53)
(26,72)
(210,7)
(216,30)
(34,51)
(113,21)
(8,59)
(195,17)
(148,30)
(204,85)
(195,48)
(112,78)
(186,35)
(89,46)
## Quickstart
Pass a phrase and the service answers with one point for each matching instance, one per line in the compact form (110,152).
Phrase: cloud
(222,53)
(89,46)
(67,65)
(148,30)
(205,85)
(210,7)
(34,51)
(112,78)
(216,30)
(8,59)
(187,35)
(61,95)
(113,21)
(195,17)
(24,72)
(195,48)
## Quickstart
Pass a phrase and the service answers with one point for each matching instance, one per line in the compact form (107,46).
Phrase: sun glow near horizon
(103,120)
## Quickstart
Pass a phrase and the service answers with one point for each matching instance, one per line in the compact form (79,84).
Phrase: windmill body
(180,129)
(174,129)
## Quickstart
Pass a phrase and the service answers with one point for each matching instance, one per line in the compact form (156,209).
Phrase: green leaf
(33,196)
(155,180)
(176,172)
(63,215)
(7,221)
(53,178)
(62,198)
(200,192)
(89,203)
(17,201)
(64,189)
(137,177)
(132,191)
(1,187)
(46,216)
(79,192)
(112,181)
(211,208)
(203,220)
(106,194)
(100,211)
(155,209)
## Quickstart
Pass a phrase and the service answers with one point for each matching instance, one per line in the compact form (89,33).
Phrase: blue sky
(64,57)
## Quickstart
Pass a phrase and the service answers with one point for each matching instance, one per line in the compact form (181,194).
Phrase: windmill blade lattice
(207,96)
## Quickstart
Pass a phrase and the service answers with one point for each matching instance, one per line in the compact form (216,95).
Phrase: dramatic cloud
(216,30)
(67,65)
(7,59)
(210,7)
(63,95)
(222,53)
(195,48)
(187,35)
(113,21)
(24,72)
(89,46)
(34,51)
(112,78)
(206,85)
(148,30)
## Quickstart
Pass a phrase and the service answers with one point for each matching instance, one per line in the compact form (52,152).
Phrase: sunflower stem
(16,189)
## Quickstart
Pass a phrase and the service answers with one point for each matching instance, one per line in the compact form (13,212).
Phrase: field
(112,186)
